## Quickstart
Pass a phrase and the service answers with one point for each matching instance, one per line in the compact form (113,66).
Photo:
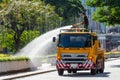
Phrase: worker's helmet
(83,13)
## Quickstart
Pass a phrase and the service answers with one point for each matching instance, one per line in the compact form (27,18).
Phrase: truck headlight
(58,58)
(90,58)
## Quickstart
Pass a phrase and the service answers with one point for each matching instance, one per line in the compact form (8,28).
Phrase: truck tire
(60,72)
(102,69)
(94,71)
(74,71)
(69,71)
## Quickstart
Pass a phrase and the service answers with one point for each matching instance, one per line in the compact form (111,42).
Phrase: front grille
(74,58)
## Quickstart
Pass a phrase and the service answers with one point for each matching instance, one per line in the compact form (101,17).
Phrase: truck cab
(78,49)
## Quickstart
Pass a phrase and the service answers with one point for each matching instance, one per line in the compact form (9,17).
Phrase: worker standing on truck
(85,20)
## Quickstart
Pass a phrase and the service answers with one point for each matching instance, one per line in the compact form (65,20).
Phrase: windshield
(75,40)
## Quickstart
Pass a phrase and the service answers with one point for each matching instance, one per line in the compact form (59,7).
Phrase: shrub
(6,57)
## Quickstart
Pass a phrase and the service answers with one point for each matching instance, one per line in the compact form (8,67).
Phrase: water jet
(41,48)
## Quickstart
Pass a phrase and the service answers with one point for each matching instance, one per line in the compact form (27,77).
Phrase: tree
(4,3)
(25,15)
(8,42)
(67,9)
(107,11)
(28,36)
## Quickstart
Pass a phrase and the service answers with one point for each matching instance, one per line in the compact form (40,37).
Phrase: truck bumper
(85,66)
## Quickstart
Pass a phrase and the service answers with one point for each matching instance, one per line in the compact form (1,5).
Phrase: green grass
(107,52)
(115,52)
(112,53)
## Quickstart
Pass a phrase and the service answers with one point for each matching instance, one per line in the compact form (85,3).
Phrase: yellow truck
(78,49)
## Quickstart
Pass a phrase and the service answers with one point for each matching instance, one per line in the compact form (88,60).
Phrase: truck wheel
(74,71)
(60,72)
(94,71)
(69,71)
(102,69)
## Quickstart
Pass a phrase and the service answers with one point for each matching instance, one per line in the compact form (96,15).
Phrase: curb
(10,77)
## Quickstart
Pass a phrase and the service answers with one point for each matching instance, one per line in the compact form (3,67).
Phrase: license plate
(74,65)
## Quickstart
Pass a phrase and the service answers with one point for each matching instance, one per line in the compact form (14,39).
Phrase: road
(112,72)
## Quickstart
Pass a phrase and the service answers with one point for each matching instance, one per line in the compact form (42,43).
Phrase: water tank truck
(78,49)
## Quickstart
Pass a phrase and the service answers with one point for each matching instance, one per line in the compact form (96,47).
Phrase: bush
(6,57)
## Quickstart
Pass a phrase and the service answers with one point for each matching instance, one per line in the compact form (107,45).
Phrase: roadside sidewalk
(39,70)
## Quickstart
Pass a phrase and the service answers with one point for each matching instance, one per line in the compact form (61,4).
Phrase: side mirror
(54,39)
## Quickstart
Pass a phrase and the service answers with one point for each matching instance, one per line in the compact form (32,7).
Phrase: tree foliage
(7,38)
(101,3)
(107,11)
(67,9)
(23,15)
(27,36)
(4,3)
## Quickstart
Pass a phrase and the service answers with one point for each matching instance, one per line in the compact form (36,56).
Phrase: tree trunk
(17,41)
